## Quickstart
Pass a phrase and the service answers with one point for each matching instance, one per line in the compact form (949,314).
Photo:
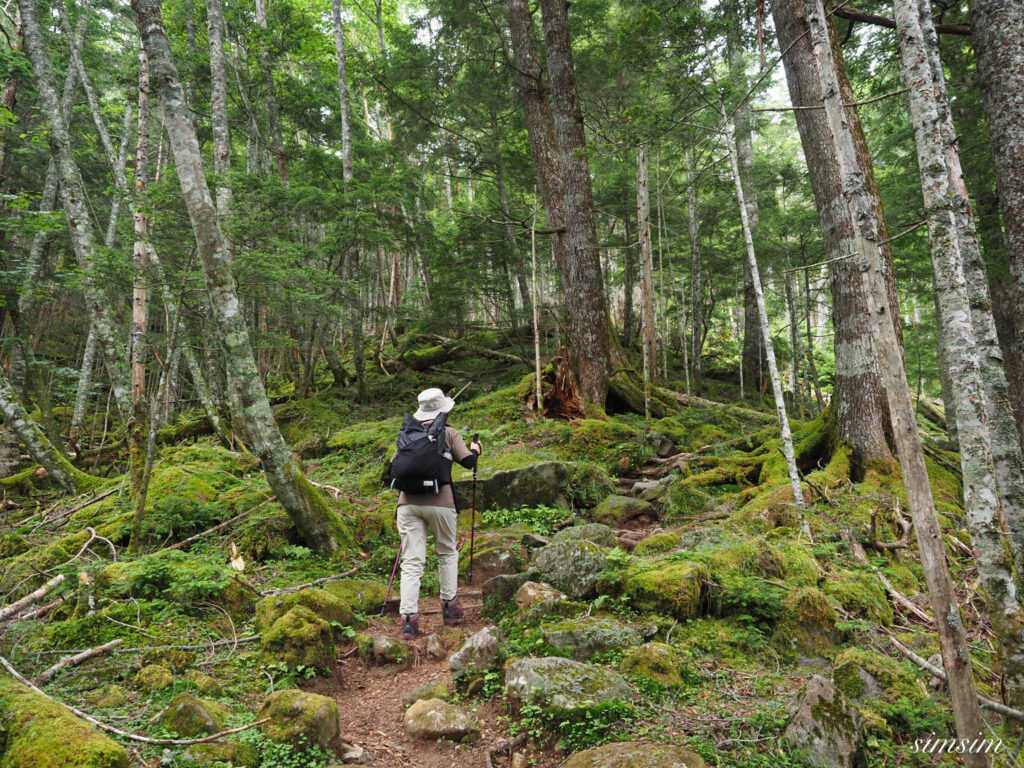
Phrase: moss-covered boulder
(174,659)
(826,728)
(553,681)
(322,603)
(631,754)
(300,718)
(861,594)
(433,719)
(480,652)
(882,688)
(359,594)
(595,532)
(572,566)
(532,592)
(808,625)
(382,649)
(424,692)
(676,589)
(36,732)
(203,683)
(108,697)
(624,512)
(655,661)
(588,636)
(548,483)
(491,562)
(547,610)
(187,715)
(657,543)
(498,591)
(299,638)
(153,678)
(215,753)
(12,545)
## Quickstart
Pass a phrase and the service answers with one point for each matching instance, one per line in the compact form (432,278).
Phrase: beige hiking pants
(413,522)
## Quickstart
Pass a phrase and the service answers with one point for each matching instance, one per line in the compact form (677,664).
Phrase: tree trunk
(766,337)
(592,339)
(997,31)
(316,522)
(628,269)
(696,293)
(75,208)
(219,105)
(812,366)
(990,454)
(864,250)
(648,328)
(84,383)
(861,409)
(270,94)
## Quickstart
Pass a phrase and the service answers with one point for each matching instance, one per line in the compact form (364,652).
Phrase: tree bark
(864,250)
(219,105)
(316,522)
(997,31)
(648,328)
(861,409)
(696,292)
(273,111)
(140,261)
(75,208)
(594,345)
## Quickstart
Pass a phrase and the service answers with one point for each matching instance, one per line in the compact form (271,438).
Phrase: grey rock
(595,532)
(587,636)
(479,653)
(428,691)
(557,682)
(622,511)
(572,566)
(435,719)
(827,727)
(533,592)
(434,647)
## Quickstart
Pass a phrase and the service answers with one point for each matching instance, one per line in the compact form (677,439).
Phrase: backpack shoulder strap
(410,427)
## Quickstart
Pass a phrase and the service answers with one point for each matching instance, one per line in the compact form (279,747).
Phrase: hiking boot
(410,625)
(451,611)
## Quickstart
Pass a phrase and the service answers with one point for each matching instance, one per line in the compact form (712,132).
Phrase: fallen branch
(117,731)
(324,580)
(93,536)
(72,661)
(144,649)
(79,508)
(208,531)
(41,611)
(994,706)
(901,600)
(325,486)
(904,541)
(247,585)
(506,747)
(31,598)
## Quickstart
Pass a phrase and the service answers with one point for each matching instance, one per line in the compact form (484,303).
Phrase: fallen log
(71,661)
(31,598)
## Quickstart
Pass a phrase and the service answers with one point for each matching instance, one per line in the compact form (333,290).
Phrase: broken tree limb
(34,597)
(994,706)
(324,580)
(41,611)
(111,729)
(144,649)
(75,660)
(901,600)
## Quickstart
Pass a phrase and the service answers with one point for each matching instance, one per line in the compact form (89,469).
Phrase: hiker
(421,469)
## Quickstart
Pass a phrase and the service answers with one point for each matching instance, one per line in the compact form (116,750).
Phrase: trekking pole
(472,525)
(393,572)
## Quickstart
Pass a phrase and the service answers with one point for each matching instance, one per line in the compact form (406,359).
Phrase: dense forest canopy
(259,227)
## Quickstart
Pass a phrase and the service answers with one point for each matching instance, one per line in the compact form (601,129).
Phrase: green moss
(108,697)
(860,593)
(608,443)
(323,603)
(300,718)
(808,624)
(204,684)
(153,678)
(657,543)
(298,638)
(11,545)
(656,661)
(188,716)
(359,594)
(675,589)
(173,659)
(218,753)
(36,732)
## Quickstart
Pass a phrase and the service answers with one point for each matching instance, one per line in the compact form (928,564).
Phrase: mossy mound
(808,625)
(188,716)
(636,755)
(611,444)
(323,603)
(153,678)
(657,543)
(623,511)
(108,697)
(360,594)
(12,545)
(173,659)
(888,695)
(36,732)
(300,718)
(219,753)
(572,566)
(204,684)
(585,637)
(299,638)
(596,532)
(655,661)
(860,593)
(676,589)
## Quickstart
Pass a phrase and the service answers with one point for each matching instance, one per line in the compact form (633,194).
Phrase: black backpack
(421,466)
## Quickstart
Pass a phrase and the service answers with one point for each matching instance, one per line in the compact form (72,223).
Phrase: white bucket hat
(432,403)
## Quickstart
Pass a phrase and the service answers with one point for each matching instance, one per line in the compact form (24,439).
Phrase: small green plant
(541,518)
(576,728)
(286,755)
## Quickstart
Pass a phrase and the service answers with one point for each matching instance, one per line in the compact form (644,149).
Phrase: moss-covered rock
(12,545)
(424,692)
(360,594)
(436,719)
(548,483)
(657,543)
(595,532)
(547,610)
(553,681)
(300,718)
(808,625)
(299,638)
(153,678)
(655,661)
(382,649)
(676,589)
(36,732)
(108,697)
(572,566)
(624,511)
(214,753)
(531,592)
(585,637)
(860,593)
(204,684)
(498,591)
(636,755)
(826,728)
(884,691)
(491,562)
(321,602)
(174,659)
(189,716)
